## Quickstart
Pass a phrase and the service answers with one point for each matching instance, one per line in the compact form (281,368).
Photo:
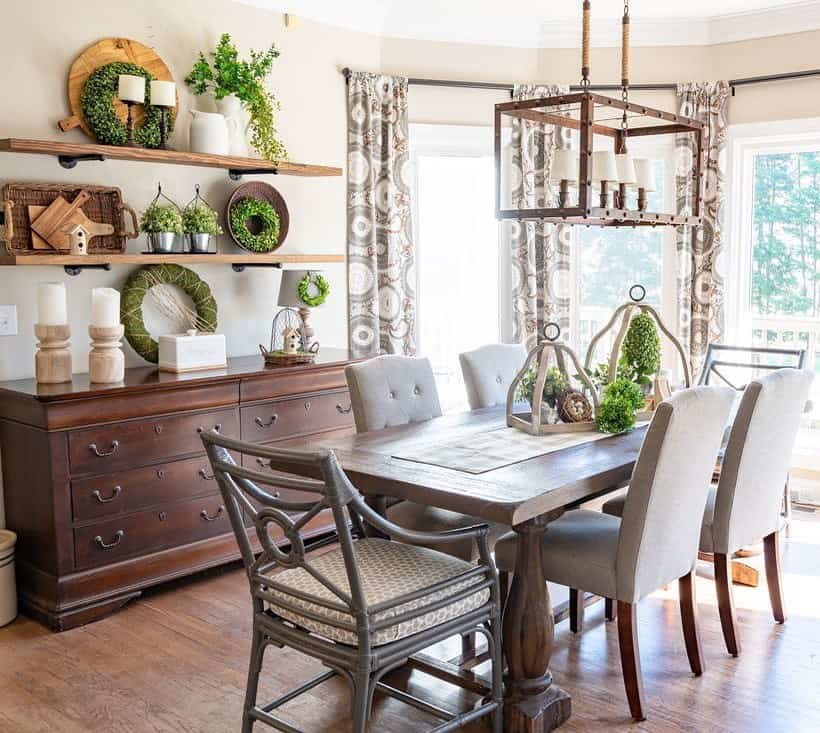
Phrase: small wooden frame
(531,422)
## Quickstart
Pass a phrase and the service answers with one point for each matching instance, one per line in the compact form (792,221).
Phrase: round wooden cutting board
(101,53)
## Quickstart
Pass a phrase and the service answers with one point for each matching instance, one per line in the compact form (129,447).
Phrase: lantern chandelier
(601,184)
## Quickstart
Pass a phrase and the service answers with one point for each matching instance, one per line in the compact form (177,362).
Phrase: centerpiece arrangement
(200,223)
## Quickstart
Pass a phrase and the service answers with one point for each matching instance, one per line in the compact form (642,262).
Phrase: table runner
(494,449)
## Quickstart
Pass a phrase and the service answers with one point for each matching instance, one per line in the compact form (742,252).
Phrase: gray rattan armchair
(363,608)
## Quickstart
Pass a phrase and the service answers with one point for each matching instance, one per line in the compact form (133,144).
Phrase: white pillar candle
(105,307)
(52,308)
(131,88)
(163,94)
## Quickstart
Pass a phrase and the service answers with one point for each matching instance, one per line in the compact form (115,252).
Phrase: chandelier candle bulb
(105,307)
(644,180)
(131,88)
(626,176)
(564,170)
(604,170)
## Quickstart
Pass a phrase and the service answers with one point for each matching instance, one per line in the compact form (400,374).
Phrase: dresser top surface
(138,378)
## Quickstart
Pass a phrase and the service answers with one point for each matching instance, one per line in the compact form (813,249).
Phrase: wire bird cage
(556,388)
(287,319)
(626,312)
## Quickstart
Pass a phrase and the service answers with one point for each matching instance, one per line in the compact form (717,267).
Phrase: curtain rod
(500,86)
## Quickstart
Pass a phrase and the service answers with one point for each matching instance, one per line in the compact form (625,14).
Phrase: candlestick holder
(130,141)
(163,129)
(52,362)
(106,362)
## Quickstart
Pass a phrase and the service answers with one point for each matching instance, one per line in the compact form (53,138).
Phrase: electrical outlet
(8,320)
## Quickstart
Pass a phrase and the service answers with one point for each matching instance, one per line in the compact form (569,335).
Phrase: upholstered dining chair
(397,390)
(363,608)
(488,372)
(745,505)
(656,542)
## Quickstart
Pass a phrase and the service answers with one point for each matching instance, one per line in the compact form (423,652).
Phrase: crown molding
(531,33)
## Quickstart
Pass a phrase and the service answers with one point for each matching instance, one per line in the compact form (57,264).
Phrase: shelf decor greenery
(641,351)
(226,74)
(160,218)
(621,400)
(97,103)
(245,210)
(556,382)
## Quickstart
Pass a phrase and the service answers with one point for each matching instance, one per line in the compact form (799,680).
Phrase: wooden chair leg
(609,609)
(257,655)
(689,618)
(576,610)
(630,658)
(774,579)
(726,603)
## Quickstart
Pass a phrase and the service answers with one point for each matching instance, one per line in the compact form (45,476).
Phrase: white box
(192,351)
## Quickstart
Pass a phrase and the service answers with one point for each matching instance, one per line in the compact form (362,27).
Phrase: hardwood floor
(176,661)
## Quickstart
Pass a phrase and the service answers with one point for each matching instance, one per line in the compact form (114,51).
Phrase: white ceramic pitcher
(209,133)
(231,108)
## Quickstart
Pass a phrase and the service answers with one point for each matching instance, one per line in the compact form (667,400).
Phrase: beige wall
(42,38)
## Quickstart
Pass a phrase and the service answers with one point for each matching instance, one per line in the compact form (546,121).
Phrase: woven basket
(105,207)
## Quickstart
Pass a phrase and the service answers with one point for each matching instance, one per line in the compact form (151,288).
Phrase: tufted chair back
(488,372)
(392,390)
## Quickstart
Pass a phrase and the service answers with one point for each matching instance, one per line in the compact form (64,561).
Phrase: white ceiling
(556,23)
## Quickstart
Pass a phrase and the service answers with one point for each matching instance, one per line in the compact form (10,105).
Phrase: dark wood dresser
(108,487)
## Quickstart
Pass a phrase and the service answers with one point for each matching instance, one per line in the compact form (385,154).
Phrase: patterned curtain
(540,252)
(381,272)
(700,283)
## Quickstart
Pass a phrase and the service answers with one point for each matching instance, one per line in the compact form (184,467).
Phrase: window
(608,261)
(773,285)
(457,249)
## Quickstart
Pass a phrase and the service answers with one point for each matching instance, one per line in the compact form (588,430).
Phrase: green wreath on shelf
(244,210)
(137,287)
(322,289)
(97,103)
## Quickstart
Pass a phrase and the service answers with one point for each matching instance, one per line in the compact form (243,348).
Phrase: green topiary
(97,104)
(157,219)
(630,391)
(200,218)
(554,384)
(641,351)
(268,238)
(615,415)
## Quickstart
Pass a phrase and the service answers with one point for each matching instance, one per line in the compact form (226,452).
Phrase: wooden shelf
(70,153)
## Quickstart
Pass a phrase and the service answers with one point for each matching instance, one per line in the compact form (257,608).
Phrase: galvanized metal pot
(162,242)
(199,243)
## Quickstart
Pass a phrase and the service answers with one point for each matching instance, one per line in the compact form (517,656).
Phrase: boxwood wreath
(137,287)
(97,103)
(243,211)
(322,289)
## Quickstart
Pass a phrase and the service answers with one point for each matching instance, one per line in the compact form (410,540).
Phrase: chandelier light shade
(603,127)
(564,166)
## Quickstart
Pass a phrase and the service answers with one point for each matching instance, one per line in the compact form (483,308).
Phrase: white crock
(209,133)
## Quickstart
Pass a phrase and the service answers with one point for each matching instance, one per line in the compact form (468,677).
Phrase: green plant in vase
(641,351)
(160,219)
(199,218)
(226,74)
(555,383)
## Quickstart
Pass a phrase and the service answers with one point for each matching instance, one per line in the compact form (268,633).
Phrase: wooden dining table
(526,495)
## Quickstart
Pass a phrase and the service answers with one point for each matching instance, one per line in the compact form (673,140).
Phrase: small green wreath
(137,287)
(244,210)
(322,287)
(97,103)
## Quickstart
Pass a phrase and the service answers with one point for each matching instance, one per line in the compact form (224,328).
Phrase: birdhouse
(291,341)
(559,394)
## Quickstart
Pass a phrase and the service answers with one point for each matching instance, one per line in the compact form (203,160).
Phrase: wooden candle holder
(52,362)
(106,362)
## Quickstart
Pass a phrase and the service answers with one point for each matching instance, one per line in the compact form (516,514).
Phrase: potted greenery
(199,223)
(621,400)
(162,223)
(641,352)
(233,82)
(554,384)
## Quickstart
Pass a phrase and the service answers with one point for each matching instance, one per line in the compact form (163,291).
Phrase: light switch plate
(8,320)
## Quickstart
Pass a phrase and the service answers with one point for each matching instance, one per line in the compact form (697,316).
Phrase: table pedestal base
(537,713)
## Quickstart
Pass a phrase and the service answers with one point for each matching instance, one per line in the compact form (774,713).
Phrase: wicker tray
(105,207)
(280,358)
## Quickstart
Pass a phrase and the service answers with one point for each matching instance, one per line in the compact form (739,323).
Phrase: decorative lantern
(600,122)
(546,381)
(635,305)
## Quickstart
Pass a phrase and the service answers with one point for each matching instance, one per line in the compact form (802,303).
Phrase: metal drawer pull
(114,494)
(217,427)
(115,444)
(344,410)
(204,474)
(307,405)
(262,424)
(107,546)
(204,514)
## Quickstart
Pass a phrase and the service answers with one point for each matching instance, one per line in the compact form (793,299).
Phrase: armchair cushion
(489,371)
(388,570)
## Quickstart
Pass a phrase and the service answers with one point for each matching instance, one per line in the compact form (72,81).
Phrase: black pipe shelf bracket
(75,270)
(240,266)
(235,174)
(70,161)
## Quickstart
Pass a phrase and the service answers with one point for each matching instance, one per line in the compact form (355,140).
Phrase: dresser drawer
(302,416)
(147,531)
(140,442)
(128,491)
